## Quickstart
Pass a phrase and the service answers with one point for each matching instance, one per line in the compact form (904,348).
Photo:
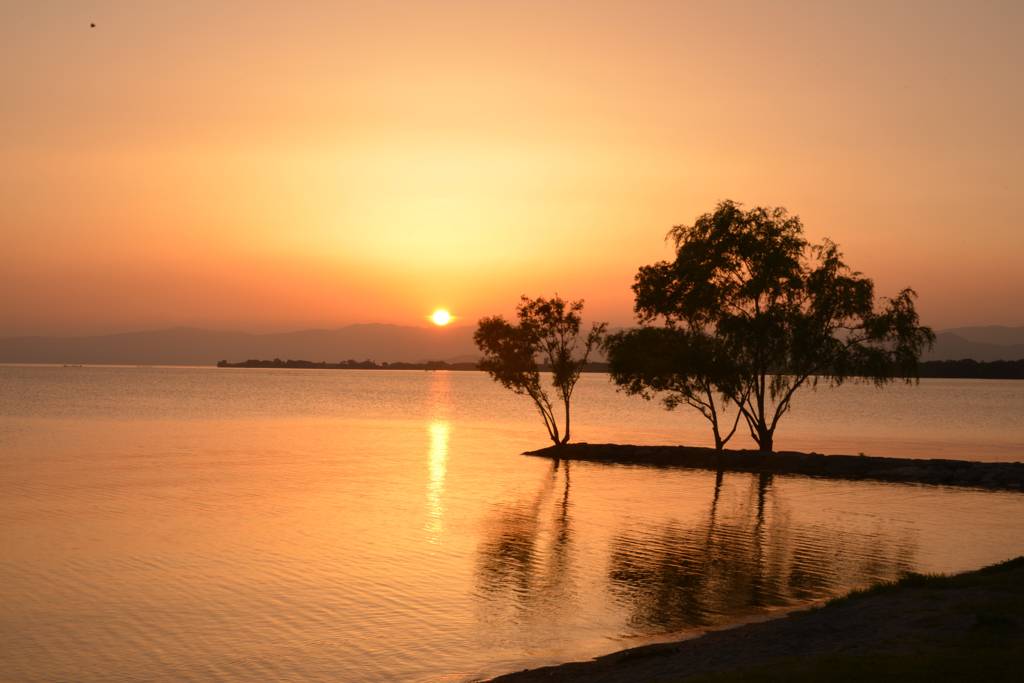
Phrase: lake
(213,524)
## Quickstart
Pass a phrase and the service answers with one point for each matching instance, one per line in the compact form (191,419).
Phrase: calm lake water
(207,524)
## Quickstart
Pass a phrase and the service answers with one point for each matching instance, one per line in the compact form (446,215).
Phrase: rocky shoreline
(989,475)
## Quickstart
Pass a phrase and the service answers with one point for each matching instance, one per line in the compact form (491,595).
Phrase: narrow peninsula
(991,475)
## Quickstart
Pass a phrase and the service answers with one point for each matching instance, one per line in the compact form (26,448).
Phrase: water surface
(235,525)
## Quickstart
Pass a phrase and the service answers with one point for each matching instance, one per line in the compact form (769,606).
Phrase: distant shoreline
(347,365)
(371,365)
(990,475)
(971,369)
(933,369)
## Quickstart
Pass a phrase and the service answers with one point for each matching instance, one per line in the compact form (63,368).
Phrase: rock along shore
(991,475)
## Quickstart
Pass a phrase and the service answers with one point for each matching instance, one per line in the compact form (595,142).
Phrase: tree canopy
(681,365)
(550,329)
(757,312)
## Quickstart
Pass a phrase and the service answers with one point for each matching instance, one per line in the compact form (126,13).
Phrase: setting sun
(442,317)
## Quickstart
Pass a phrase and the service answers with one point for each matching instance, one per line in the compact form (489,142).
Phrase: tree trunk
(565,439)
(719,444)
(553,433)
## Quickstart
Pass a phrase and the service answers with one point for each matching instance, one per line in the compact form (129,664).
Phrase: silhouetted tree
(784,312)
(547,328)
(682,365)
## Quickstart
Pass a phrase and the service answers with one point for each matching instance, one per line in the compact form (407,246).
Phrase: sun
(442,317)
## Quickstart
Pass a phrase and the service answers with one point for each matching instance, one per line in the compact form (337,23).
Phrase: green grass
(991,650)
(986,576)
(927,665)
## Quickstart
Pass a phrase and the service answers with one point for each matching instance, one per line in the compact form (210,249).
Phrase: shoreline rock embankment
(990,475)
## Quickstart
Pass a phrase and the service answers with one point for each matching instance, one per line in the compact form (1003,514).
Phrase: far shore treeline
(941,369)
(972,369)
(370,365)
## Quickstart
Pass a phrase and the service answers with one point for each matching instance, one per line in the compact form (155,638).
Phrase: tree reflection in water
(745,555)
(746,559)
(524,562)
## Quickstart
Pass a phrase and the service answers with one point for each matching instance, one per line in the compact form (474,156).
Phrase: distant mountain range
(993,334)
(379,343)
(191,346)
(978,343)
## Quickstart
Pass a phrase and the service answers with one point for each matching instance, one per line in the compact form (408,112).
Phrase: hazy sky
(272,166)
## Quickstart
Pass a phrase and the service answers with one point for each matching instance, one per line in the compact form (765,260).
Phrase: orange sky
(271,166)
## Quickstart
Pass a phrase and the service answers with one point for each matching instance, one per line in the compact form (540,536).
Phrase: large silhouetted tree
(549,329)
(783,314)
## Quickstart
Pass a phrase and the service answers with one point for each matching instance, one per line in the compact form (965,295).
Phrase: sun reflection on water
(438,464)
(437,458)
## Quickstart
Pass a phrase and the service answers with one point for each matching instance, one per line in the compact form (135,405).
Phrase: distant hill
(191,346)
(952,346)
(992,334)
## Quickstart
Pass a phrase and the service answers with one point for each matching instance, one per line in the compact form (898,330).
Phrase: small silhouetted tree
(784,312)
(551,329)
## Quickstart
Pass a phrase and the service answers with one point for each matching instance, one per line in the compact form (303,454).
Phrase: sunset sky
(273,166)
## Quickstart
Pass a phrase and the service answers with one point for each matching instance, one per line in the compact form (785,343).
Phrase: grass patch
(987,576)
(932,665)
(908,580)
(645,652)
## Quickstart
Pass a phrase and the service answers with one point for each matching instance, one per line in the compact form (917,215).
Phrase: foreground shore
(965,627)
(992,475)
